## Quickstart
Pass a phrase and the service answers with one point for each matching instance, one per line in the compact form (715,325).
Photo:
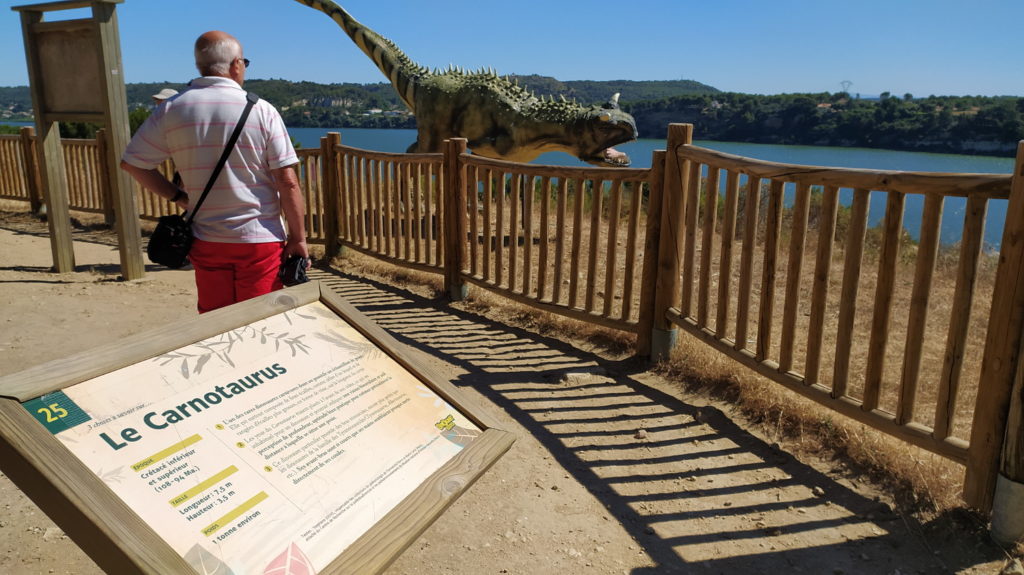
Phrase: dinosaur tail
(396,66)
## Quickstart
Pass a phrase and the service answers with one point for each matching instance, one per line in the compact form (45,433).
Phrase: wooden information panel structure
(285,431)
(75,75)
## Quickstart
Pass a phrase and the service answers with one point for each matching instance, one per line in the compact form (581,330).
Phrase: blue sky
(940,47)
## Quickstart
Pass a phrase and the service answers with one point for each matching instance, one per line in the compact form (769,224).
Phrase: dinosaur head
(599,129)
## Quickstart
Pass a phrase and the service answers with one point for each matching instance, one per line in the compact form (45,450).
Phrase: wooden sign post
(285,431)
(75,75)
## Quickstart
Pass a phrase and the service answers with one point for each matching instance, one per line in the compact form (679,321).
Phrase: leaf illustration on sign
(292,562)
(206,563)
(288,315)
(200,363)
(323,312)
(113,476)
(460,435)
(221,346)
(357,348)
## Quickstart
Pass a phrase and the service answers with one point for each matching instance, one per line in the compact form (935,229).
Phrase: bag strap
(250,101)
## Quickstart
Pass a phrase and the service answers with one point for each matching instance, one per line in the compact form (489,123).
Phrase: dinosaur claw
(608,158)
(616,158)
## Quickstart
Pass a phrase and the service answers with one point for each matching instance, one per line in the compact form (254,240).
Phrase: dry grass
(921,481)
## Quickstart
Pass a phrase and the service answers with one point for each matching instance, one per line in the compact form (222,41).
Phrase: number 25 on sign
(52,412)
(56,412)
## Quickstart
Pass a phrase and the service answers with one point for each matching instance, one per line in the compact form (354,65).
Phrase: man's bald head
(215,51)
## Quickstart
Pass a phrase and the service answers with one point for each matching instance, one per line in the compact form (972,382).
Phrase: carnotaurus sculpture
(497,117)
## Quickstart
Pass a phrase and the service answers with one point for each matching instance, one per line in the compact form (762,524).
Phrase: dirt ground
(614,470)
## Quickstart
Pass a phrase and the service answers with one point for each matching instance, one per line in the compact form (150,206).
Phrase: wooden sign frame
(117,539)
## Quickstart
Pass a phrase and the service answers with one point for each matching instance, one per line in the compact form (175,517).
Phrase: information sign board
(282,441)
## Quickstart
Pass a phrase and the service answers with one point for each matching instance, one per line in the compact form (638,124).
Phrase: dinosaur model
(498,118)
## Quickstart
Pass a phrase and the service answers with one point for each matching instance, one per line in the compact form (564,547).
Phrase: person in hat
(161,96)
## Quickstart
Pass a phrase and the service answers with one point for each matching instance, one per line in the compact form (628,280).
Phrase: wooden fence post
(1008,498)
(106,193)
(55,193)
(332,193)
(31,167)
(454,236)
(1000,362)
(670,244)
(652,239)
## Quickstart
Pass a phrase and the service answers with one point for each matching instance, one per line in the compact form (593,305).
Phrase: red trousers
(230,273)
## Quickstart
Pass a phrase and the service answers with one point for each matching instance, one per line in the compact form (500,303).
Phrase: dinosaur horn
(612,103)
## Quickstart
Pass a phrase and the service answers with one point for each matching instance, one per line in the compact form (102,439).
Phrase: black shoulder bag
(172,239)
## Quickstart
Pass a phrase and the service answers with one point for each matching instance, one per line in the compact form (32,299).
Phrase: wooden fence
(19,179)
(569,241)
(390,205)
(87,177)
(311,180)
(873,345)
(706,242)
(760,260)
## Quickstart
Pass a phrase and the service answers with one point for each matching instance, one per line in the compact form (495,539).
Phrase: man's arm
(155,182)
(287,183)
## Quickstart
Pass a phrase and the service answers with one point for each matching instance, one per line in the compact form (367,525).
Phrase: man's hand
(183,202)
(296,247)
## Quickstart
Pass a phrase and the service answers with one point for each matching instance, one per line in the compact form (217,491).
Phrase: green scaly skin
(498,118)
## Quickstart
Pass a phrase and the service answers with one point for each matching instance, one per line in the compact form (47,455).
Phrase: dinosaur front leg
(427,141)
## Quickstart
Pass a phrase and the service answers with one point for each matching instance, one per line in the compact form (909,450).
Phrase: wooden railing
(791,298)
(311,180)
(87,177)
(760,260)
(18,175)
(390,205)
(566,240)
(86,185)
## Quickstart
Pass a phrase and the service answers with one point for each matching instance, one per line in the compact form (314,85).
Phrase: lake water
(641,152)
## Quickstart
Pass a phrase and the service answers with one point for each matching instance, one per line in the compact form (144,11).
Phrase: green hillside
(959,124)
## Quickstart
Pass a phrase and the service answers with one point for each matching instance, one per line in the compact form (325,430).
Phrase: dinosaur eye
(605,117)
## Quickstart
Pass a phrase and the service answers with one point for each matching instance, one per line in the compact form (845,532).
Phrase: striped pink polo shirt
(192,128)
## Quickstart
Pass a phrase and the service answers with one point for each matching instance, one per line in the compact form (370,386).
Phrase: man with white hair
(240,239)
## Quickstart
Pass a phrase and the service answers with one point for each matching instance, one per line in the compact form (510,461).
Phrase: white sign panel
(273,445)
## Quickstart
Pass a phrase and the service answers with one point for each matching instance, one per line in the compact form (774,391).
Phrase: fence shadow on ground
(696,491)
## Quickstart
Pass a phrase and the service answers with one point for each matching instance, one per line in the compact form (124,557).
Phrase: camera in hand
(293,271)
